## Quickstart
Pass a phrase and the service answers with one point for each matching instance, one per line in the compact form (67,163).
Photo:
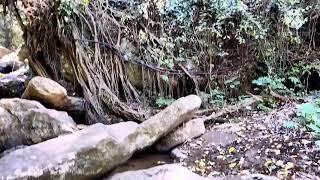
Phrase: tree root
(231,108)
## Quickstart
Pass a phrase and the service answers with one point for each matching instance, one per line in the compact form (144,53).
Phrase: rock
(163,172)
(191,129)
(10,63)
(53,95)
(16,104)
(247,177)
(178,154)
(46,91)
(24,122)
(165,121)
(4,51)
(81,155)
(14,83)
(222,135)
(95,150)
(75,106)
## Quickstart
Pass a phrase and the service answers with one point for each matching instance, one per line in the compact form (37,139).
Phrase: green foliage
(273,83)
(217,97)
(290,125)
(168,63)
(317,143)
(162,102)
(309,113)
(67,8)
(233,83)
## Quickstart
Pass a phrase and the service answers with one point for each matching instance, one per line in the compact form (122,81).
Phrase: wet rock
(191,129)
(46,91)
(163,172)
(4,51)
(24,122)
(95,150)
(222,135)
(145,160)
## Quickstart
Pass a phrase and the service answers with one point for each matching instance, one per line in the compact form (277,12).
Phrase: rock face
(46,91)
(164,172)
(189,130)
(24,122)
(95,150)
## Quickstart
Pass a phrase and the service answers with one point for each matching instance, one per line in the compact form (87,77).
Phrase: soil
(255,142)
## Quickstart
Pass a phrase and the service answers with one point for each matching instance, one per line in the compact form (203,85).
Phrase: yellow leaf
(202,164)
(232,150)
(268,162)
(289,165)
(2,75)
(232,165)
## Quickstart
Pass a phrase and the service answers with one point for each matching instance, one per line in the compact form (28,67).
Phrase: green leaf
(315,128)
(165,78)
(290,125)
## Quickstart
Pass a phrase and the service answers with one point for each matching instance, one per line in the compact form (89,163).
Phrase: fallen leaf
(232,165)
(232,150)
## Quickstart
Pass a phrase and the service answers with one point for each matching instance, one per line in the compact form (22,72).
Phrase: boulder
(75,106)
(165,121)
(53,95)
(13,83)
(191,129)
(24,122)
(81,155)
(222,135)
(163,172)
(4,51)
(46,91)
(178,154)
(95,150)
(10,63)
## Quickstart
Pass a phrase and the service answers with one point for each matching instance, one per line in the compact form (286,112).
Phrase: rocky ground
(253,143)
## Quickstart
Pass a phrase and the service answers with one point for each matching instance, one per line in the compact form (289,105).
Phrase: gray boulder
(13,81)
(10,62)
(95,150)
(163,172)
(165,121)
(191,129)
(24,122)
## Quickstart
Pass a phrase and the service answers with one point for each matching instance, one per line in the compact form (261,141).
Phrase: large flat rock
(95,150)
(83,154)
